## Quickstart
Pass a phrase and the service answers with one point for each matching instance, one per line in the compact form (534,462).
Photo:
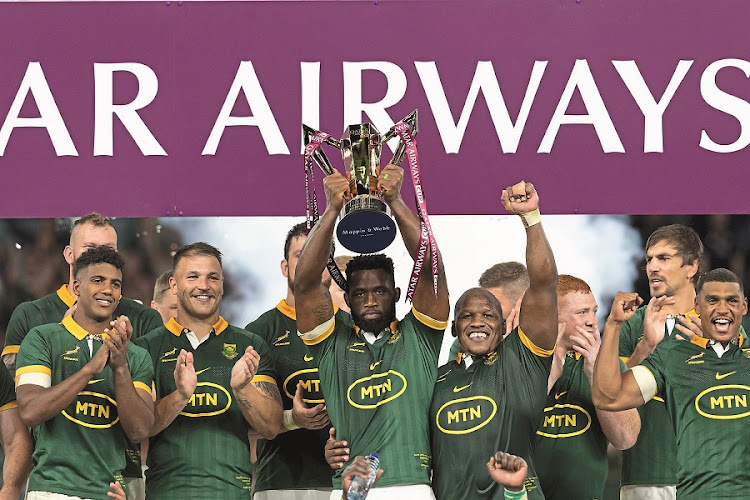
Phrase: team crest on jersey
(280,340)
(564,421)
(208,399)
(395,337)
(723,402)
(93,410)
(490,359)
(375,390)
(746,352)
(465,415)
(230,351)
(695,360)
(310,381)
(68,354)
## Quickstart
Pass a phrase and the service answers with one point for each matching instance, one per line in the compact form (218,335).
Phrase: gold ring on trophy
(385,177)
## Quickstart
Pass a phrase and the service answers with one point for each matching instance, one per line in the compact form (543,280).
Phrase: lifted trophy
(365,225)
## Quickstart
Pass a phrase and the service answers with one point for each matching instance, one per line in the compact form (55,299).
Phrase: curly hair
(98,255)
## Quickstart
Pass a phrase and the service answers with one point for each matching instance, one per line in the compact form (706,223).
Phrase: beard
(375,326)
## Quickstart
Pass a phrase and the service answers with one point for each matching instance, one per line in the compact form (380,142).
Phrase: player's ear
(453,329)
(173,285)
(396,294)
(76,288)
(68,254)
(346,299)
(284,268)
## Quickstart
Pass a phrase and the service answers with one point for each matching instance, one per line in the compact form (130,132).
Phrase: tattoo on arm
(270,390)
(245,403)
(323,311)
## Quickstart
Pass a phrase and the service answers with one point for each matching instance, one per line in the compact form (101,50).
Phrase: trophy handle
(398,156)
(319,155)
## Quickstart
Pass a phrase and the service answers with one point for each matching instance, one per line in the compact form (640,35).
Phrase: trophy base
(366,226)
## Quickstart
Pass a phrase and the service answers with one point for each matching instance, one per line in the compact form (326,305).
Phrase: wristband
(531,218)
(289,421)
(515,495)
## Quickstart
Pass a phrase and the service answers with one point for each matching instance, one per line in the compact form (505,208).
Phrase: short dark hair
(721,275)
(94,218)
(687,242)
(297,231)
(161,285)
(199,248)
(98,255)
(368,263)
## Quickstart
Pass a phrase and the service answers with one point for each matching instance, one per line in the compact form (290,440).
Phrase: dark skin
(98,287)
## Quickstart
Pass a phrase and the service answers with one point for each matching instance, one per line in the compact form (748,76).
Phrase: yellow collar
(173,326)
(65,296)
(75,329)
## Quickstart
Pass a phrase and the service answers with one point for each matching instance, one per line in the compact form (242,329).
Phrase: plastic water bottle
(360,487)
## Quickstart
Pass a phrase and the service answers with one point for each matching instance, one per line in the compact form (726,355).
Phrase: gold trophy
(365,224)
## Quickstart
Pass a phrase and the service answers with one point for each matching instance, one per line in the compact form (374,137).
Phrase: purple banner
(195,108)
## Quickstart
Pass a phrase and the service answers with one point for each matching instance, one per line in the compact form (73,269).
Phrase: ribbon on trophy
(311,199)
(427,240)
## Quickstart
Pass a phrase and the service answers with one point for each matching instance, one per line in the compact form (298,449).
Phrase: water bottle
(360,487)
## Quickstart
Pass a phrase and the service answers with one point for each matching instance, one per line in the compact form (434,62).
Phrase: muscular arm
(621,428)
(18,447)
(424,299)
(260,403)
(313,299)
(134,406)
(642,350)
(37,404)
(610,389)
(166,410)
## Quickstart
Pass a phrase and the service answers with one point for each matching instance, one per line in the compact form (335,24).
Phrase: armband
(289,421)
(531,218)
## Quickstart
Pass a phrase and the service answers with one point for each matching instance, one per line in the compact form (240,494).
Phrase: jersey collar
(173,326)
(64,294)
(75,329)
(392,328)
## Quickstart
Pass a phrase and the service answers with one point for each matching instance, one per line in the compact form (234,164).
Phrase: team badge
(395,337)
(230,351)
(746,352)
(490,359)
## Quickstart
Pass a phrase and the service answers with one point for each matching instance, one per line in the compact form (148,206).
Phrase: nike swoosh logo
(725,375)
(559,394)
(308,358)
(459,389)
(203,370)
(372,366)
(95,381)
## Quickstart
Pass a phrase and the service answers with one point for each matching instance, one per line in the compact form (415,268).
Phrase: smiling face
(478,323)
(667,273)
(198,282)
(372,298)
(721,306)
(99,288)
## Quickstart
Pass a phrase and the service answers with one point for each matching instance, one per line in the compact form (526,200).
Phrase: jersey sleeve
(141,368)
(655,365)
(260,327)
(429,331)
(17,330)
(7,389)
(34,358)
(266,370)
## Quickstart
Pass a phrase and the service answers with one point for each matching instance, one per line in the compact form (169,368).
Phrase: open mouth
(104,302)
(722,324)
(202,298)
(478,335)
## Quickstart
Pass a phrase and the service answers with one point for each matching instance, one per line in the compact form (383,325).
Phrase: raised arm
(311,297)
(538,317)
(390,181)
(610,389)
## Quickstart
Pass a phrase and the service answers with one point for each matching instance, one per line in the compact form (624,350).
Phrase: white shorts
(648,492)
(396,492)
(46,495)
(319,494)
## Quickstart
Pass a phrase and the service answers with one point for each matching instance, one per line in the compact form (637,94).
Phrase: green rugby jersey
(378,395)
(571,449)
(493,404)
(294,459)
(204,453)
(652,459)
(707,398)
(82,449)
(7,390)
(52,307)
